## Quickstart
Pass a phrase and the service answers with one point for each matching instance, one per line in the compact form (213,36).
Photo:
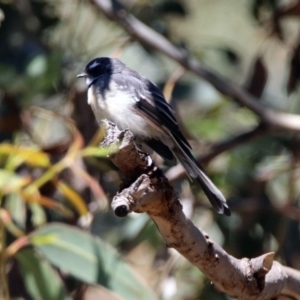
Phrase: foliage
(53,171)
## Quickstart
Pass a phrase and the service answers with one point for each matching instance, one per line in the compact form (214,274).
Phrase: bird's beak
(84,75)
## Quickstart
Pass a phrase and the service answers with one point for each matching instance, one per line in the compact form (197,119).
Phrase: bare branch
(146,36)
(147,190)
(222,146)
(292,286)
(217,148)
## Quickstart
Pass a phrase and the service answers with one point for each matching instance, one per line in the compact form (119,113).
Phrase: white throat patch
(88,81)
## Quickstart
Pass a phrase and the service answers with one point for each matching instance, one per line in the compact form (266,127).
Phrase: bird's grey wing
(160,148)
(157,111)
(152,105)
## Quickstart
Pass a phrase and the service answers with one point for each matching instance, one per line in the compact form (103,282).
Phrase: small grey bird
(133,102)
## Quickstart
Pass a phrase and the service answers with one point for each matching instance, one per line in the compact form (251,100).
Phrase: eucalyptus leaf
(18,155)
(17,209)
(73,197)
(40,279)
(38,214)
(37,66)
(10,181)
(89,259)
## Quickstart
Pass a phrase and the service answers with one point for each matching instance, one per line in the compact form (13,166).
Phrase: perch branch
(146,36)
(146,190)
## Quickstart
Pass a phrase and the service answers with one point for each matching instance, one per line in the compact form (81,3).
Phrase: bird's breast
(117,105)
(97,104)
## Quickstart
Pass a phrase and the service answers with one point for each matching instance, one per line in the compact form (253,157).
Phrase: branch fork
(146,190)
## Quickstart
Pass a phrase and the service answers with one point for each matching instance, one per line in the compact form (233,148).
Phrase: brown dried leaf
(60,147)
(289,10)
(258,78)
(294,75)
(73,197)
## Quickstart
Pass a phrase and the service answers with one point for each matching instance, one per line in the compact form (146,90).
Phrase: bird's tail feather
(195,171)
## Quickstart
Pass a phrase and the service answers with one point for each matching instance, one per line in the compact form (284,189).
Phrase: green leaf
(73,197)
(38,214)
(17,209)
(98,152)
(10,181)
(40,279)
(37,66)
(19,155)
(89,259)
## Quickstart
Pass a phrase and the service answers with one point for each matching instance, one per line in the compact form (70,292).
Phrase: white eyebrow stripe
(94,64)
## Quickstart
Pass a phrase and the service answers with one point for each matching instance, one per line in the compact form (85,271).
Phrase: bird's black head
(100,66)
(96,67)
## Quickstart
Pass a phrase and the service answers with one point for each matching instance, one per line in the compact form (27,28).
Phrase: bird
(130,100)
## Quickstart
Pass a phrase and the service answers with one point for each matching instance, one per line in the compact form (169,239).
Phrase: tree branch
(146,36)
(146,190)
(217,148)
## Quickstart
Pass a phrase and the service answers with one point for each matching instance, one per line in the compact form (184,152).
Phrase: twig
(178,171)
(170,84)
(148,191)
(146,36)
(4,291)
(225,145)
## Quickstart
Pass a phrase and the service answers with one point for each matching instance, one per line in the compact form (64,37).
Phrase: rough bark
(146,190)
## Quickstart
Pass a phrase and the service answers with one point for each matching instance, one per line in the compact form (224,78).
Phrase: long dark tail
(195,171)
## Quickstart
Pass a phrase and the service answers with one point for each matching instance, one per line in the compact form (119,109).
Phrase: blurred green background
(52,172)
